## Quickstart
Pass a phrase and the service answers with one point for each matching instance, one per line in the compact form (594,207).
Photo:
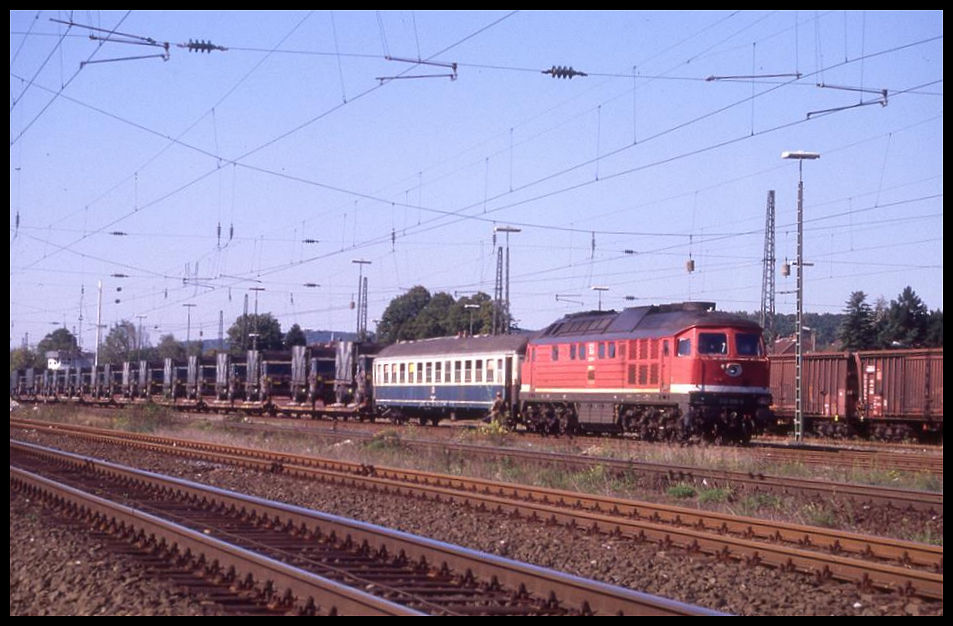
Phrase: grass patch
(145,418)
(386,441)
(759,502)
(720,494)
(681,490)
(819,515)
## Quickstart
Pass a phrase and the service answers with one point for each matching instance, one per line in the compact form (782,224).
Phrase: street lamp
(600,290)
(257,290)
(800,156)
(471,307)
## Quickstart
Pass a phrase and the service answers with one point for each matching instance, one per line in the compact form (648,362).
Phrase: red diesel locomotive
(674,372)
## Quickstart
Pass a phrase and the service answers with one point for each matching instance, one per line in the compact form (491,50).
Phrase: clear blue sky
(291,135)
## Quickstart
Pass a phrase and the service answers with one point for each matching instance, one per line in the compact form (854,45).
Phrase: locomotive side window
(684,347)
(712,343)
(748,344)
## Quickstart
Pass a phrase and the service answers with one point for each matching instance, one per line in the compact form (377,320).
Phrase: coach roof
(456,345)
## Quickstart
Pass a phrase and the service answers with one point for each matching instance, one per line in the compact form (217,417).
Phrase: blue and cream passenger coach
(455,377)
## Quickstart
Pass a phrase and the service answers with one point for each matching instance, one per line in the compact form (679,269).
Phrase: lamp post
(257,290)
(600,290)
(470,307)
(800,156)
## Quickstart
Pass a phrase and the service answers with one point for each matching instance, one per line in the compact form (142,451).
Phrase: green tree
(399,319)
(857,330)
(295,337)
(268,328)
(22,358)
(169,348)
(934,337)
(120,344)
(482,317)
(60,340)
(906,321)
(434,319)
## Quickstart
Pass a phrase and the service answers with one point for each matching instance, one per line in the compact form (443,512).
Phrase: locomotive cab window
(748,344)
(712,343)
(684,347)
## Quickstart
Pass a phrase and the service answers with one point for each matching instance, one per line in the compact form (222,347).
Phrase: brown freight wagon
(901,391)
(829,384)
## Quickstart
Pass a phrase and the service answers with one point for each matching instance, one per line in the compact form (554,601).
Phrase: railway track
(886,564)
(311,562)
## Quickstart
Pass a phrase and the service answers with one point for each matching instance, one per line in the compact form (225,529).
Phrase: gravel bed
(57,568)
(725,586)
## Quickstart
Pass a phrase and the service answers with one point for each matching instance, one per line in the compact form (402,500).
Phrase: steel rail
(585,596)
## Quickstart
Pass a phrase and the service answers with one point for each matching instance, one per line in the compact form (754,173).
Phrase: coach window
(611,349)
(684,347)
(478,371)
(457,371)
(429,375)
(467,368)
(555,356)
(572,352)
(490,376)
(499,371)
(403,367)
(602,350)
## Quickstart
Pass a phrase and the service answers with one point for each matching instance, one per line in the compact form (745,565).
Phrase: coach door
(508,380)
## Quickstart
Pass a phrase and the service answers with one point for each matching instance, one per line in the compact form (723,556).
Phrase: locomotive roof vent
(688,306)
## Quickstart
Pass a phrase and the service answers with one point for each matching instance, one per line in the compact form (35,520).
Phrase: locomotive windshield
(748,344)
(712,343)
